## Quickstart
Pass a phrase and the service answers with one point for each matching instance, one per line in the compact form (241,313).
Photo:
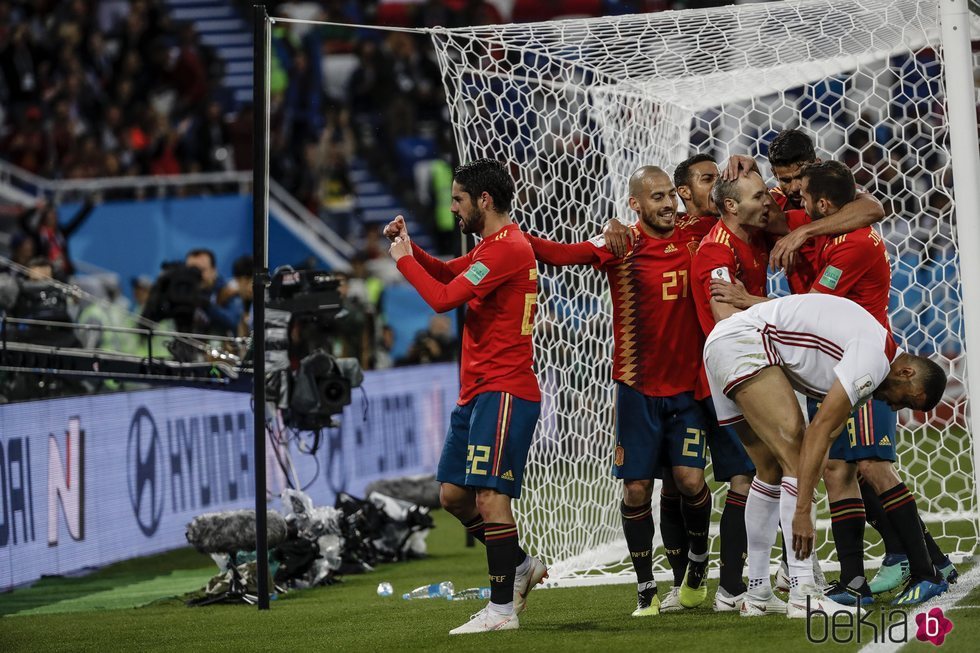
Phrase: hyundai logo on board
(145,461)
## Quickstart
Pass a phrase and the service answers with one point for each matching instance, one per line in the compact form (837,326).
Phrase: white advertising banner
(86,481)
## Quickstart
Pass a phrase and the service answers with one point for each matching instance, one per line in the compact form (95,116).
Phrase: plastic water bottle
(479,593)
(385,589)
(433,591)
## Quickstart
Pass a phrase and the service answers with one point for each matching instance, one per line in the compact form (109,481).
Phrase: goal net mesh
(575,106)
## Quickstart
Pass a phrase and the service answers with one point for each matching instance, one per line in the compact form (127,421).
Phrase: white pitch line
(947,602)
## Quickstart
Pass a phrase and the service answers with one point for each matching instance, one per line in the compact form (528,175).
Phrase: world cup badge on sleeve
(620,455)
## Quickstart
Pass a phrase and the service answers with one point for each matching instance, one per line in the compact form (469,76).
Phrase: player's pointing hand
(396,228)
(400,246)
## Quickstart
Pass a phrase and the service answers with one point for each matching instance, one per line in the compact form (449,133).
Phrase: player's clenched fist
(396,228)
(400,246)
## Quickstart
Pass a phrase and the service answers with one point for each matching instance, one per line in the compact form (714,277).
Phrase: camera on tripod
(309,384)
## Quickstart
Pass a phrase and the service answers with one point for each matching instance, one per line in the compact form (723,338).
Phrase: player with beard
(490,430)
(795,251)
(852,265)
(855,265)
(825,347)
(659,423)
(694,179)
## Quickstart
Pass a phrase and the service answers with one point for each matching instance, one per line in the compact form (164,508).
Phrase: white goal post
(575,106)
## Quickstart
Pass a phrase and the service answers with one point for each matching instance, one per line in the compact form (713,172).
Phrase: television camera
(303,379)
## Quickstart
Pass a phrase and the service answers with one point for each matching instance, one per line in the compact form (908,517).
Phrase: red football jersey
(724,254)
(855,265)
(804,273)
(497,346)
(657,341)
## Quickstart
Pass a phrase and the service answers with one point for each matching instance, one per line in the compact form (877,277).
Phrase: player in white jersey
(828,348)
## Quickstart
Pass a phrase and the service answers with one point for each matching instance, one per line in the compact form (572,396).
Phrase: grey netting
(574,106)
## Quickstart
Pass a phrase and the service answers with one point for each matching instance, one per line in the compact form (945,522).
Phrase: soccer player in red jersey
(490,430)
(788,153)
(659,423)
(855,265)
(736,249)
(694,178)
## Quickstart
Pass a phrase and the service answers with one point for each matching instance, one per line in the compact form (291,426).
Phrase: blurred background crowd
(360,131)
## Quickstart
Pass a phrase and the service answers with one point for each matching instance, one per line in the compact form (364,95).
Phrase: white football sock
(800,571)
(761,519)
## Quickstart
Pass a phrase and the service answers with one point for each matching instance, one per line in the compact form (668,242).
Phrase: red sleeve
(713,260)
(440,296)
(441,271)
(552,253)
(844,265)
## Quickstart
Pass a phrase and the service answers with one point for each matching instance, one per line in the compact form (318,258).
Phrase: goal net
(575,106)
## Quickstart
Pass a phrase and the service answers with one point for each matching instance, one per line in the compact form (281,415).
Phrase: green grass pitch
(93,613)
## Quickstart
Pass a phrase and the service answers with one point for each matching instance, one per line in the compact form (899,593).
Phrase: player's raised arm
(826,424)
(561,254)
(734,294)
(440,270)
(617,237)
(738,165)
(440,296)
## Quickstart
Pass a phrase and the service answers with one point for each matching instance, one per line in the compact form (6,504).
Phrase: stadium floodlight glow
(574,106)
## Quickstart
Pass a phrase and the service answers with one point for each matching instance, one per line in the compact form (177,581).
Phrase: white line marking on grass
(947,602)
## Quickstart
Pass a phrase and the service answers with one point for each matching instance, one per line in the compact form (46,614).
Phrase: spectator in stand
(302,119)
(22,250)
(28,144)
(190,74)
(212,141)
(18,60)
(40,223)
(362,285)
(382,358)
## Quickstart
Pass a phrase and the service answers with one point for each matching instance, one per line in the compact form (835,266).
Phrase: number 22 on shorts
(475,456)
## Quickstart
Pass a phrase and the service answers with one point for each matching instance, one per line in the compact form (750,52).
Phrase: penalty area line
(947,602)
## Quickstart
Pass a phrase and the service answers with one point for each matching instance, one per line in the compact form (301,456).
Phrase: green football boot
(894,572)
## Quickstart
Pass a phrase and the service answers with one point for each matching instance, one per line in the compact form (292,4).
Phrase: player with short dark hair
(659,423)
(828,348)
(788,152)
(855,265)
(695,178)
(688,172)
(490,430)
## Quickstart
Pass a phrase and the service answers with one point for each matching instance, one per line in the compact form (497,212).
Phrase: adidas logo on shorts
(884,442)
(507,476)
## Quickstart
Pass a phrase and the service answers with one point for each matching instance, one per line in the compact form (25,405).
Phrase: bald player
(657,345)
